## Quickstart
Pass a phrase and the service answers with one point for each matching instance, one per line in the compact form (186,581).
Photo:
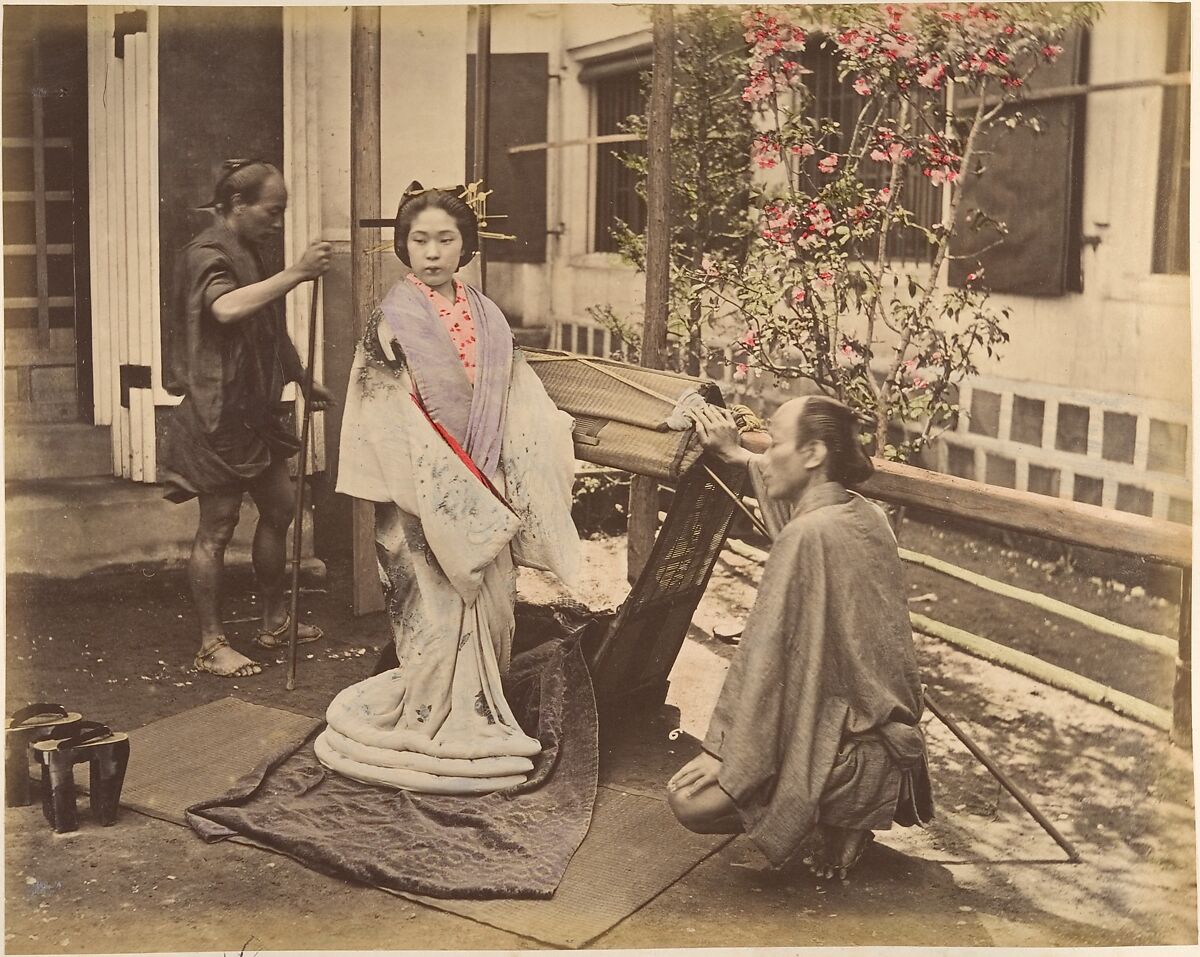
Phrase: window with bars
(617,201)
(1174,164)
(835,99)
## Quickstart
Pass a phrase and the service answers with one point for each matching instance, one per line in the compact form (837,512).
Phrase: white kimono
(448,546)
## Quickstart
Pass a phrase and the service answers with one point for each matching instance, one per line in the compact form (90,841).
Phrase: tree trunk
(643,491)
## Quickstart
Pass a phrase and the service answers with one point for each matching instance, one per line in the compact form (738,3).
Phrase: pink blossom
(861,87)
(798,295)
(824,279)
(1051,51)
(749,340)
(708,267)
(828,164)
(883,195)
(741,370)
(803,149)
(940,177)
(971,277)
(931,79)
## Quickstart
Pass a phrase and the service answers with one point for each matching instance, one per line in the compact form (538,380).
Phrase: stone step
(66,528)
(58,450)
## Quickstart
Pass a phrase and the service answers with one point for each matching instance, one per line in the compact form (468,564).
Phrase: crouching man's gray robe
(817,721)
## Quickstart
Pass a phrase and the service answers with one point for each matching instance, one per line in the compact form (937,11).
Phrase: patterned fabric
(448,540)
(456,317)
(472,414)
(511,843)
(818,717)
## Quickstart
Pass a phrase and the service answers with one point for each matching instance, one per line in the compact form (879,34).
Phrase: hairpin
(472,194)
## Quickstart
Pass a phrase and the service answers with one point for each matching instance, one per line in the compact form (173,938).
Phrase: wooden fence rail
(1074,523)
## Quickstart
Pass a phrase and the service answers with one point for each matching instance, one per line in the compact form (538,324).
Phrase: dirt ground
(118,648)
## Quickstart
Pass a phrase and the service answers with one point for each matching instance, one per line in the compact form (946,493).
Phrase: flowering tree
(823,292)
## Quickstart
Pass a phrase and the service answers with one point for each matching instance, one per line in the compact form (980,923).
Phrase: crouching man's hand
(718,433)
(699,773)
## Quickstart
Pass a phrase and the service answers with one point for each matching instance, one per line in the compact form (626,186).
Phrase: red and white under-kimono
(449,536)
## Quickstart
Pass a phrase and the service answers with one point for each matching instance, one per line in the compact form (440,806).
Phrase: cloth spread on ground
(818,719)
(514,843)
(468,484)
(231,375)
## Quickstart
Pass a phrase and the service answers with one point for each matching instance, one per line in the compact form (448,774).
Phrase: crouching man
(814,742)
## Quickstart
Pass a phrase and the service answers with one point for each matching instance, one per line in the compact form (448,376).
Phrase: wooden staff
(298,518)
(1005,781)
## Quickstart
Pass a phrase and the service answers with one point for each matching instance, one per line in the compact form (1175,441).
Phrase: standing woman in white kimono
(470,466)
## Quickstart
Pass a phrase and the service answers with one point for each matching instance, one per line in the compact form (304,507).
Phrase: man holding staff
(231,358)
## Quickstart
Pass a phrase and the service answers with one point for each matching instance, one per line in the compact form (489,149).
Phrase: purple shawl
(474,416)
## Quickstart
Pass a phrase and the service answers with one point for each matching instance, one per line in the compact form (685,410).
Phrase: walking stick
(298,517)
(1005,781)
(993,769)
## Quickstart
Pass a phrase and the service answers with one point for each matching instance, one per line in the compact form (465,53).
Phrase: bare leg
(218,519)
(274,493)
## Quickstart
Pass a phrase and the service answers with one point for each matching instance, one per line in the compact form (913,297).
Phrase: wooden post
(1182,700)
(483,84)
(643,491)
(364,268)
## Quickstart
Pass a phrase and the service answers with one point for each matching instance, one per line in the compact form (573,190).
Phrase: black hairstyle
(416,199)
(827,420)
(241,177)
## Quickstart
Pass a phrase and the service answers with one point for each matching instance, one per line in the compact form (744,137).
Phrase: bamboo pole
(302,470)
(643,490)
(1006,782)
(1143,639)
(364,204)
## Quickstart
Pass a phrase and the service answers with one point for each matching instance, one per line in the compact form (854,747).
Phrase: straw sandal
(35,722)
(106,751)
(278,638)
(202,662)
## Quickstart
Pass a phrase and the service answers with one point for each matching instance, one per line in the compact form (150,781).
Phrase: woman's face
(262,220)
(434,247)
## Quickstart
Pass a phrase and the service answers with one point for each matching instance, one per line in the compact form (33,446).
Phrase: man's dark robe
(231,375)
(817,721)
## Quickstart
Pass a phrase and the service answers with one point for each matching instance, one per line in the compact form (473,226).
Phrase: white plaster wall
(423,77)
(334,120)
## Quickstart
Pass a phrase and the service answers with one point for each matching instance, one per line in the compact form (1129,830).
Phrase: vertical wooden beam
(1182,700)
(364,267)
(643,491)
(483,86)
